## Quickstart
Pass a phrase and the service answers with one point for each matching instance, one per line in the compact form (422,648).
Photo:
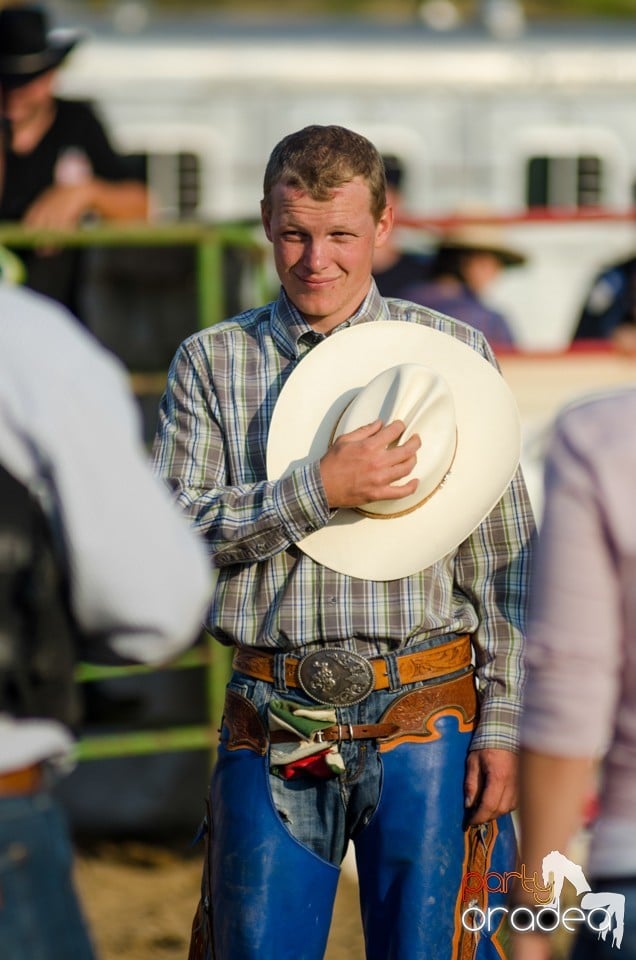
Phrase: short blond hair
(317,159)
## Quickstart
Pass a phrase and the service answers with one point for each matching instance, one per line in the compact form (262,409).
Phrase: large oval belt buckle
(336,678)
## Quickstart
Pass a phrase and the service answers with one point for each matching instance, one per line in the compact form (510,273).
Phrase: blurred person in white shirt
(96,564)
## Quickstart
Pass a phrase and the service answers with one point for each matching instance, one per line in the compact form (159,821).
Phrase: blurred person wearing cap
(96,564)
(609,310)
(394,267)
(467,262)
(352,463)
(57,165)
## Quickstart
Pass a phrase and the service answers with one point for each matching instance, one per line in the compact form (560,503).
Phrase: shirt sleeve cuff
(498,725)
(300,501)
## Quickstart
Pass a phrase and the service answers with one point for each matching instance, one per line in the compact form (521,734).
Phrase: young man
(316,752)
(91,568)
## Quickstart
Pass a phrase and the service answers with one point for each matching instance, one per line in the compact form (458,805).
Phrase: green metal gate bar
(208,655)
(209,241)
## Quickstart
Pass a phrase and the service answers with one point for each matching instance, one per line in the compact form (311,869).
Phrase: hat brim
(487,455)
(15,71)
(508,256)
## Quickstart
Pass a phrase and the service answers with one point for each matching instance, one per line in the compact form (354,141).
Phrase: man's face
(24,104)
(323,249)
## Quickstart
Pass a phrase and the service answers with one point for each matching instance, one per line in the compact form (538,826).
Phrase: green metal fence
(209,241)
(209,656)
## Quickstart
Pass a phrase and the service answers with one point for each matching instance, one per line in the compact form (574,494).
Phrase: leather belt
(412,716)
(341,731)
(22,783)
(411,667)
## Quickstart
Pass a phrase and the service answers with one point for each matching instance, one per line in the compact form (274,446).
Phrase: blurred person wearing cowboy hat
(351,462)
(468,260)
(57,165)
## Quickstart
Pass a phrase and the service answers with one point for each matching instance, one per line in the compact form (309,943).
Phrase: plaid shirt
(211,450)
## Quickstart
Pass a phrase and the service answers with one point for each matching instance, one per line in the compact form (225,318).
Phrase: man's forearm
(254,522)
(120,200)
(553,792)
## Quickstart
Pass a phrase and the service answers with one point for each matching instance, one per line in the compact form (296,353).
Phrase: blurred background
(522,111)
(519,115)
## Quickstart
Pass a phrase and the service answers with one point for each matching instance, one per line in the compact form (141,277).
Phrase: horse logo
(556,869)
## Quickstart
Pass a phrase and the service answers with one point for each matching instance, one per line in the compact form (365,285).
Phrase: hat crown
(27,48)
(423,401)
(23,31)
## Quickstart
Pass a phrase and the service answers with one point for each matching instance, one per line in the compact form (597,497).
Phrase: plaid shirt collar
(293,335)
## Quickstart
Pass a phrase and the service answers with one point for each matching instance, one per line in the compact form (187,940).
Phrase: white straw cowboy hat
(456,400)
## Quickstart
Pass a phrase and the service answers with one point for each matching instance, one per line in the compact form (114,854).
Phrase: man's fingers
(368,464)
(491,807)
(490,784)
(471,781)
(391,433)
(396,491)
(406,451)
(399,469)
(385,436)
(397,462)
(362,433)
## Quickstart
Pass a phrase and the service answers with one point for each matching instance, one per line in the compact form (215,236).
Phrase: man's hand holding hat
(366,464)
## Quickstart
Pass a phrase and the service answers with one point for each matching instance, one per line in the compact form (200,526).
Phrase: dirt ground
(140,899)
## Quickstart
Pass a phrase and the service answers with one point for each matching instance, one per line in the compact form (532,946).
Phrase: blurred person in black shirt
(395,268)
(58,166)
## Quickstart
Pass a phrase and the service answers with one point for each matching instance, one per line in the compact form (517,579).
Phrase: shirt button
(333,600)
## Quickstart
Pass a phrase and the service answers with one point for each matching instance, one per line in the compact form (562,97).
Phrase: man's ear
(266,221)
(384,226)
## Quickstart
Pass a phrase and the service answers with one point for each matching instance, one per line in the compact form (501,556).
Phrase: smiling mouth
(317,281)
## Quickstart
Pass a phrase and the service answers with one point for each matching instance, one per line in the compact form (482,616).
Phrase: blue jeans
(40,917)
(276,845)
